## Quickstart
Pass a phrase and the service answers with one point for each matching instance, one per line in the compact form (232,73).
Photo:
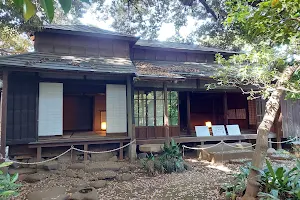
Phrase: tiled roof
(179,46)
(85,29)
(69,63)
(176,70)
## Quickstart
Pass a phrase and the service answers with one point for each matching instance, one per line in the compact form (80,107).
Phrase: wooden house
(87,86)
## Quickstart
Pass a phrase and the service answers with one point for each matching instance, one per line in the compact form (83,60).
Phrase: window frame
(137,98)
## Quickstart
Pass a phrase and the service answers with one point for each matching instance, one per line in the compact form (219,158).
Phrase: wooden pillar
(188,112)
(4,110)
(130,121)
(166,115)
(225,109)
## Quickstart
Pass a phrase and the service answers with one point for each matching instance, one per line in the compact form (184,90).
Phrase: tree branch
(208,9)
(204,3)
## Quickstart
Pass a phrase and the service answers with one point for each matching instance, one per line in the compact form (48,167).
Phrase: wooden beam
(188,112)
(4,110)
(225,108)
(166,115)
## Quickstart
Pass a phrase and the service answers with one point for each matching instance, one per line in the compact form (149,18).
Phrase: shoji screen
(116,115)
(50,109)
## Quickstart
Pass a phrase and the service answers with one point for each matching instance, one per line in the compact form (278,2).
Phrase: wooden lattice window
(149,108)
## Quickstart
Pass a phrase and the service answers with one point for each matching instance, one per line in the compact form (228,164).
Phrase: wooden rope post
(39,154)
(121,151)
(85,154)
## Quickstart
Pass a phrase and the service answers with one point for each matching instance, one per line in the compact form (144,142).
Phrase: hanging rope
(72,148)
(108,151)
(295,138)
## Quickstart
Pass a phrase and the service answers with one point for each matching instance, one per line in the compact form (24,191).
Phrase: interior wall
(238,101)
(206,107)
(99,105)
(77,113)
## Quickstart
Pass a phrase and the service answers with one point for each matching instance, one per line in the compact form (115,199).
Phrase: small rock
(64,159)
(142,155)
(106,175)
(54,165)
(113,159)
(102,156)
(32,178)
(271,151)
(57,193)
(99,184)
(71,174)
(77,166)
(100,166)
(125,177)
(22,171)
(81,184)
(187,166)
(81,175)
(86,193)
(125,169)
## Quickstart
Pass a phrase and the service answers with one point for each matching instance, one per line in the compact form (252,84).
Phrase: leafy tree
(273,27)
(145,17)
(14,28)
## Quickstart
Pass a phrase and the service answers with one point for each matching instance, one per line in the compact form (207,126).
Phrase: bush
(8,187)
(276,183)
(169,161)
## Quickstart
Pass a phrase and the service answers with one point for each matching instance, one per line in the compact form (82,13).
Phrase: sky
(167,30)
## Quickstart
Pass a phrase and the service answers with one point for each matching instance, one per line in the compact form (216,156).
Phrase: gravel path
(203,182)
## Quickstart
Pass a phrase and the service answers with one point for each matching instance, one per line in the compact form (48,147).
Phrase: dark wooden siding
(147,54)
(290,118)
(22,108)
(152,132)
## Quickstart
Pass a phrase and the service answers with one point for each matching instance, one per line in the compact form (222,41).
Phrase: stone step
(217,157)
(151,148)
(224,147)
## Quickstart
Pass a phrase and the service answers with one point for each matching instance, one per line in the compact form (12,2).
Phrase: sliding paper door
(116,115)
(50,109)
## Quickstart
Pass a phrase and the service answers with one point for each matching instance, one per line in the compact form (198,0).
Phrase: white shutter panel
(50,109)
(116,115)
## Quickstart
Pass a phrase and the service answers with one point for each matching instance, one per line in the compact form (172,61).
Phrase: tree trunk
(263,130)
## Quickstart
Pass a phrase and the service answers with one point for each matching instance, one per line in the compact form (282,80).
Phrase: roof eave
(103,35)
(184,50)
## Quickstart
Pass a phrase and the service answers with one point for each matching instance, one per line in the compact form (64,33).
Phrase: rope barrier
(284,141)
(108,151)
(72,148)
(228,144)
(240,146)
(201,148)
(41,162)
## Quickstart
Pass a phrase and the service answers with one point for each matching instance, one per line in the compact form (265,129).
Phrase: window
(173,108)
(149,108)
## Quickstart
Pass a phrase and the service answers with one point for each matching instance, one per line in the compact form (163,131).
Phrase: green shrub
(169,161)
(8,187)
(276,183)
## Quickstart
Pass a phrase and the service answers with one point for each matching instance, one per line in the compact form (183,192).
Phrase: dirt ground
(203,182)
